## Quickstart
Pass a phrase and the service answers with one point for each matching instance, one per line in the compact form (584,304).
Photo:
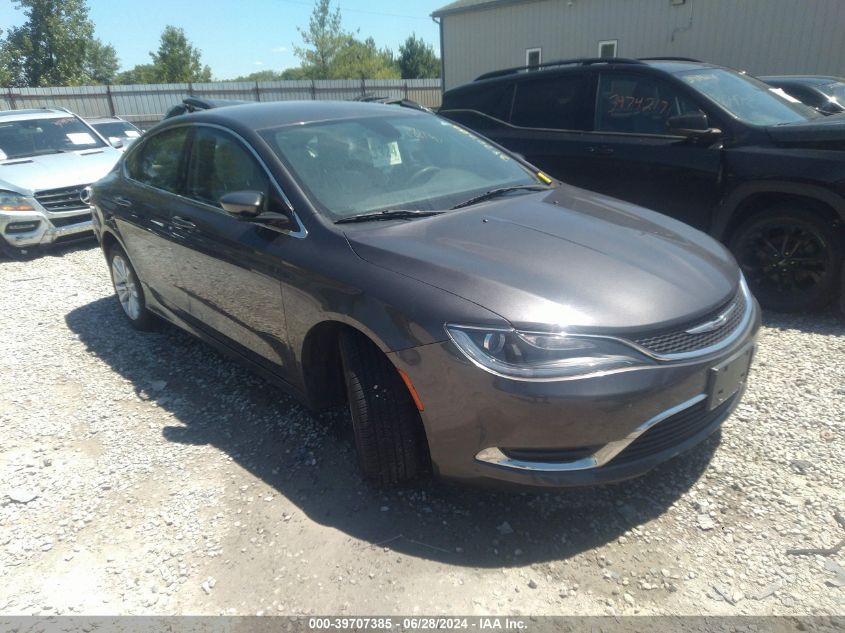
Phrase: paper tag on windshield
(81,138)
(385,155)
(131,134)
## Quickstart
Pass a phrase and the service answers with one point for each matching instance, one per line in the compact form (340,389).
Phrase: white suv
(48,157)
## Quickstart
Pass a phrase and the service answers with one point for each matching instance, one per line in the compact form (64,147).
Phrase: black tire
(791,257)
(140,318)
(389,435)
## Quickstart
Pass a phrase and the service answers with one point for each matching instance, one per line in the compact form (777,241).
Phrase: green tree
(298,72)
(101,63)
(5,74)
(363,60)
(140,74)
(51,47)
(260,75)
(417,59)
(177,60)
(322,41)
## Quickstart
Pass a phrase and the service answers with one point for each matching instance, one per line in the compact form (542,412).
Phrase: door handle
(122,202)
(182,223)
(602,151)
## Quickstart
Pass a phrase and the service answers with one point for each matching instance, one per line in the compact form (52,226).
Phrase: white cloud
(258,63)
(280,49)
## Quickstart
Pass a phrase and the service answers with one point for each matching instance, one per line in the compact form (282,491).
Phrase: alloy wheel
(126,287)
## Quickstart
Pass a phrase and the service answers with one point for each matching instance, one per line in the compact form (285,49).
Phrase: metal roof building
(760,36)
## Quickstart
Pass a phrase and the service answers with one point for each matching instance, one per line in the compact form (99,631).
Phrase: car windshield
(119,129)
(32,137)
(748,99)
(420,162)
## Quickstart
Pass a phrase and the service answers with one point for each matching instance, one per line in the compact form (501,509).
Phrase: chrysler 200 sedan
(480,319)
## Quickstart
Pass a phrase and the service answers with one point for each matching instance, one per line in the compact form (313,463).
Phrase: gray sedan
(479,319)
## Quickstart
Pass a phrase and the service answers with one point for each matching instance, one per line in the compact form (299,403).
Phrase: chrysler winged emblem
(715,324)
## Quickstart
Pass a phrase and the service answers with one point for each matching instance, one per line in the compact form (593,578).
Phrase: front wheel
(791,258)
(389,436)
(129,292)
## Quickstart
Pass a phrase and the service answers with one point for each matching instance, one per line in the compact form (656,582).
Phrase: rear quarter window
(493,100)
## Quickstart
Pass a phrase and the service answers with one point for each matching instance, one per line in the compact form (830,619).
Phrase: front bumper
(483,428)
(41,228)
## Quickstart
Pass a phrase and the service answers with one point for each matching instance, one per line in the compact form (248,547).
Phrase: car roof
(33,113)
(816,80)
(258,116)
(664,64)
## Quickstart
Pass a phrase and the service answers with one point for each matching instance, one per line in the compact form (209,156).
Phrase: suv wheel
(790,257)
(129,291)
(389,436)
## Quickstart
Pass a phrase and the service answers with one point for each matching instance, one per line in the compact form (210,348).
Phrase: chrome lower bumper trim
(601,457)
(46,232)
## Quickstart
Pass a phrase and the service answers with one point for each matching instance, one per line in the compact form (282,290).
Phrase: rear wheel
(389,436)
(790,257)
(127,286)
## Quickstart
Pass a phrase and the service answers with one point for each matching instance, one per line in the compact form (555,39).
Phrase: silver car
(48,157)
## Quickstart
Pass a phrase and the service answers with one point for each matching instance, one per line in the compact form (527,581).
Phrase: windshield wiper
(387,214)
(494,193)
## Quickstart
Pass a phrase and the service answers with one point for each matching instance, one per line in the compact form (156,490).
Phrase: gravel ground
(146,474)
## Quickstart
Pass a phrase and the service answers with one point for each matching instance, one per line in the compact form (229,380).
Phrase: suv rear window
(559,103)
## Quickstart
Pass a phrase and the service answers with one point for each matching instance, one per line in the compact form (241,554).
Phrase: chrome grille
(64,199)
(680,341)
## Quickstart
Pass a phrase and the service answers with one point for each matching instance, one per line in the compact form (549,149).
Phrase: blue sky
(238,37)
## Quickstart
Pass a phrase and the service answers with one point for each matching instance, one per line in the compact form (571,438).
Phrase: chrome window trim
(301,232)
(602,456)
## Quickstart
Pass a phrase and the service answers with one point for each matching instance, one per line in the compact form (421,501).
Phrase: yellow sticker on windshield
(544,178)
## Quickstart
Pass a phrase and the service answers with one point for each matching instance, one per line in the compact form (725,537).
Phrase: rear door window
(158,161)
(558,103)
(637,104)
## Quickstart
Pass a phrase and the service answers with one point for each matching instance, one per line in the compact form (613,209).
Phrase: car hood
(35,173)
(827,132)
(570,258)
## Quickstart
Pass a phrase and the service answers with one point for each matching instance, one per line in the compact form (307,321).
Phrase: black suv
(708,145)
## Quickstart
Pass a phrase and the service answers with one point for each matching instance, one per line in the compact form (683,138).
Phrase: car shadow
(309,459)
(54,250)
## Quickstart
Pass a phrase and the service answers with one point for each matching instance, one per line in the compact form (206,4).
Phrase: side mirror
(244,205)
(691,125)
(115,142)
(249,205)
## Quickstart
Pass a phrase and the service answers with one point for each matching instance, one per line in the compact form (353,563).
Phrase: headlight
(11,201)
(539,356)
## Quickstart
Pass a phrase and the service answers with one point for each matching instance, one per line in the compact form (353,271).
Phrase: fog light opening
(22,227)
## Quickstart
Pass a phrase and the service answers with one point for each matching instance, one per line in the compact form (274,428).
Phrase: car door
(632,156)
(549,120)
(230,267)
(142,203)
